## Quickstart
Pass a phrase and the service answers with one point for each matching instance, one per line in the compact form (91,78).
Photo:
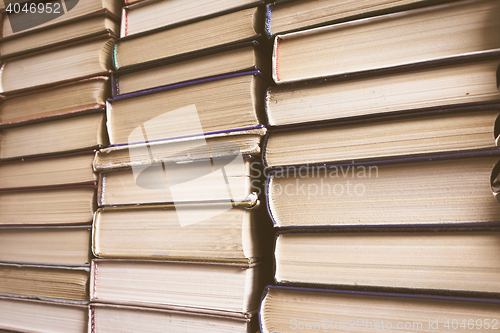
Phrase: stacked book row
(382,165)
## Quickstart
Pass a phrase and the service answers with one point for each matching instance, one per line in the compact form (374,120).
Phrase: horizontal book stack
(382,164)
(182,239)
(54,81)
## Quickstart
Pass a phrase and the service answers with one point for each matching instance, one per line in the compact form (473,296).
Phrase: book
(191,285)
(56,101)
(137,319)
(287,16)
(465,27)
(189,37)
(242,57)
(62,34)
(210,232)
(226,179)
(64,246)
(220,145)
(287,309)
(22,315)
(57,65)
(18,20)
(222,104)
(440,189)
(149,15)
(435,84)
(58,283)
(82,132)
(420,261)
(73,204)
(404,134)
(29,173)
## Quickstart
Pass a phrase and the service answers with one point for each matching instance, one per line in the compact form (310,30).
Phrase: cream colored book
(57,65)
(191,285)
(286,310)
(21,315)
(51,206)
(227,179)
(418,262)
(62,135)
(149,14)
(61,12)
(89,25)
(154,320)
(45,282)
(216,106)
(56,101)
(447,82)
(64,246)
(54,170)
(198,232)
(382,138)
(465,27)
(220,63)
(295,15)
(432,191)
(171,41)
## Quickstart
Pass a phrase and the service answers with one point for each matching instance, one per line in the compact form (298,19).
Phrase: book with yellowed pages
(287,309)
(19,21)
(56,65)
(56,101)
(36,173)
(291,15)
(54,205)
(22,315)
(78,133)
(459,261)
(61,34)
(150,14)
(398,39)
(443,130)
(227,179)
(204,107)
(55,245)
(220,145)
(435,84)
(189,37)
(191,285)
(238,57)
(157,320)
(58,283)
(436,189)
(198,232)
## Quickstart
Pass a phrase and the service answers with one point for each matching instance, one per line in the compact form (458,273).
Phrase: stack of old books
(54,81)
(182,239)
(382,168)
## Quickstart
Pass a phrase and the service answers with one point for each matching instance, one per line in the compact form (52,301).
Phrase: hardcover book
(191,285)
(56,101)
(20,315)
(204,107)
(61,34)
(465,27)
(419,261)
(445,130)
(189,37)
(287,309)
(155,320)
(57,65)
(446,189)
(151,14)
(63,246)
(433,84)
